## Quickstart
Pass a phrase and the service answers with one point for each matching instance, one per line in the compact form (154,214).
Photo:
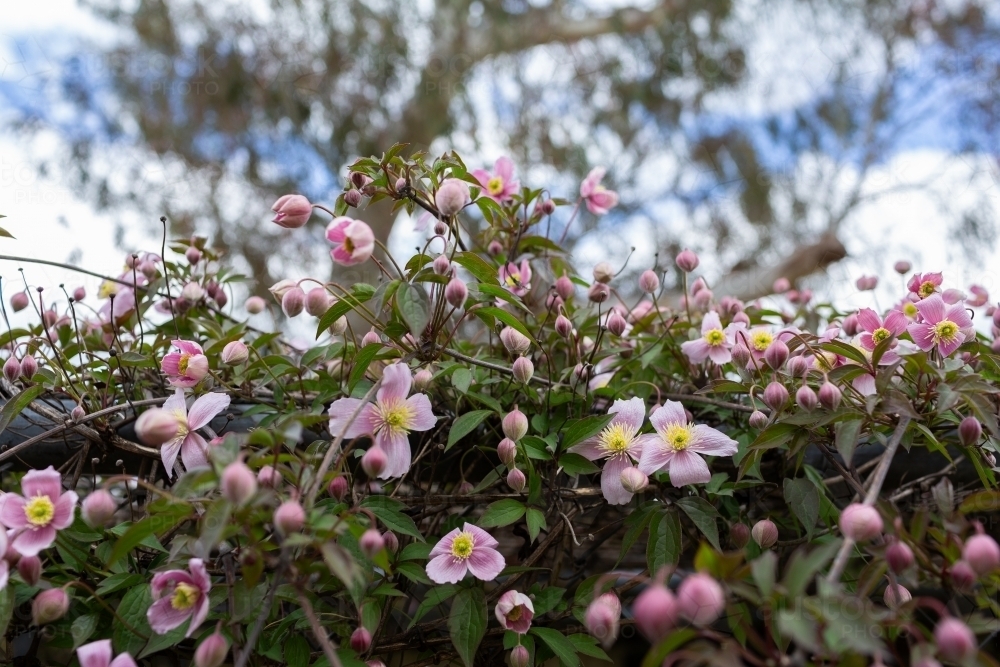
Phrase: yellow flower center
(945,331)
(185,595)
(396,416)
(910,309)
(348,244)
(761,340)
(677,436)
(715,337)
(461,547)
(515,613)
(182,365)
(514,279)
(880,335)
(107,288)
(616,438)
(495,185)
(926,289)
(39,511)
(825,360)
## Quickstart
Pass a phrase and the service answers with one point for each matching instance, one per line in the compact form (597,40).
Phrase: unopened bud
(776,354)
(211,652)
(758,420)
(441,265)
(79,294)
(634,480)
(422,378)
(687,261)
(616,323)
(98,508)
(289,517)
(269,477)
(701,599)
(391,541)
(565,288)
(775,395)
(507,451)
(563,326)
(860,522)
(805,397)
(238,483)
(895,595)
(603,272)
(293,302)
(361,640)
(655,611)
(49,606)
(982,554)
(515,424)
(235,353)
(902,267)
(12,369)
(156,426)
(830,395)
(741,355)
(739,535)
(516,480)
(955,641)
(765,533)
(255,305)
(898,556)
(371,542)
(969,431)
(523,369)
(598,293)
(352,198)
(338,487)
(455,292)
(193,255)
(374,461)
(30,569)
(514,340)
(452,197)
(649,282)
(19,301)
(519,656)
(28,366)
(317,301)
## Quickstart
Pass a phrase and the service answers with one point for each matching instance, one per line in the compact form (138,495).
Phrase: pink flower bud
(441,265)
(867,283)
(361,640)
(519,656)
(598,293)
(371,338)
(655,611)
(739,535)
(148,269)
(860,522)
(516,480)
(193,255)
(269,477)
(741,355)
(391,541)
(12,369)
(293,302)
(514,340)
(156,426)
(634,480)
(775,395)
(49,606)
(649,282)
(338,487)
(979,298)
(687,261)
(515,424)
(955,641)
(563,326)
(781,285)
(78,413)
(603,272)
(211,652)
(765,533)
(238,483)
(896,595)
(902,267)
(547,207)
(455,292)
(982,554)
(291,211)
(797,366)
(494,248)
(352,198)
(776,354)
(19,301)
(360,180)
(523,370)
(805,397)
(79,294)
(701,599)
(758,420)
(969,431)
(317,301)
(374,461)
(255,305)
(401,184)
(28,367)
(952,296)
(899,556)
(192,292)
(371,542)
(235,353)
(422,378)
(452,196)
(221,298)
(565,288)
(289,517)
(616,323)
(829,396)
(98,508)
(602,618)
(507,451)
(850,325)
(30,569)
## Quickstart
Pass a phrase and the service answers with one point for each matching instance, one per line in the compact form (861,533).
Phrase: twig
(317,629)
(265,611)
(908,488)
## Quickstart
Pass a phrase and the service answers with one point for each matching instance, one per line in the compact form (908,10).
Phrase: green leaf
(847,438)
(132,608)
(674,641)
(346,304)
(5,233)
(461,379)
(501,513)
(160,522)
(479,267)
(467,623)
(704,515)
(773,436)
(464,425)
(547,598)
(587,645)
(486,313)
(83,627)
(14,406)
(557,642)
(802,497)
(581,429)
(664,545)
(433,598)
(6,608)
(414,573)
(574,464)
(388,512)
(416,551)
(763,570)
(362,360)
(344,567)
(845,350)
(296,651)
(159,642)
(414,307)
(536,521)
(635,524)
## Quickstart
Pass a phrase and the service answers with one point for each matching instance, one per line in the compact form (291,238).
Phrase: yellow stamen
(910,309)
(761,340)
(461,546)
(396,416)
(515,613)
(880,335)
(182,365)
(39,511)
(715,337)
(495,185)
(926,289)
(677,436)
(348,244)
(945,331)
(616,438)
(185,595)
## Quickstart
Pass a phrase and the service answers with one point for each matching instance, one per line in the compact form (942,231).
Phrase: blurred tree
(238,103)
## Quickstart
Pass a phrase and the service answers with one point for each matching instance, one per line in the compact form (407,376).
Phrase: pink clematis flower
(43,510)
(470,549)
(599,199)
(179,595)
(980,296)
(943,326)
(620,443)
(189,444)
(515,279)
(875,330)
(514,611)
(501,185)
(922,285)
(676,446)
(388,420)
(98,654)
(715,343)
(758,340)
(354,240)
(187,367)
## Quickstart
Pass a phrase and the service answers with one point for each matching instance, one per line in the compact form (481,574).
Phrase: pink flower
(354,239)
(389,419)
(187,367)
(35,517)
(922,285)
(715,343)
(516,280)
(676,446)
(946,327)
(515,611)
(501,185)
(599,199)
(98,654)
(875,330)
(291,211)
(191,446)
(179,595)
(980,296)
(470,549)
(620,443)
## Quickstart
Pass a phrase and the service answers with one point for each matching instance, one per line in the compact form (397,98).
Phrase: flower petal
(707,440)
(168,454)
(611,480)
(12,511)
(959,315)
(397,449)
(199,616)
(589,449)
(163,617)
(504,168)
(46,482)
(486,563)
(631,413)
(895,322)
(205,408)
(446,569)
(194,451)
(686,467)
(481,537)
(175,402)
(199,575)
(64,506)
(932,308)
(164,580)
(947,347)
(720,354)
(29,542)
(869,319)
(922,334)
(95,654)
(444,544)
(423,418)
(170,364)
(696,350)
(655,454)
(123,660)
(865,384)
(672,412)
(396,380)
(342,409)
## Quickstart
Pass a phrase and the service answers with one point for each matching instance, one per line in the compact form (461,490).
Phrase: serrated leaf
(467,623)
(703,514)
(464,425)
(414,307)
(581,429)
(501,513)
